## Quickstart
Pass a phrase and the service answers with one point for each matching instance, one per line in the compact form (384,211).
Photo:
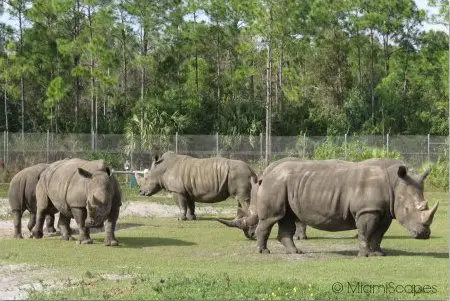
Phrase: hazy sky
(420,3)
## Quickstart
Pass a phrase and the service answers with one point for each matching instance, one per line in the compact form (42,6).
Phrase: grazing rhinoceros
(337,197)
(22,196)
(84,190)
(193,180)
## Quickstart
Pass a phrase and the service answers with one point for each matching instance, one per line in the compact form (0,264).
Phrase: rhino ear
(402,172)
(84,173)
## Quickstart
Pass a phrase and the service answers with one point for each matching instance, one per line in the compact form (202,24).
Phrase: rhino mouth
(424,234)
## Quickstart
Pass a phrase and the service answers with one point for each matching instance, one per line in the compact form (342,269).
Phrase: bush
(438,178)
(356,151)
(115,160)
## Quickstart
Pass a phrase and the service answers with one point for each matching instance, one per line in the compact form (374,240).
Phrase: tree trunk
(372,82)
(124,57)
(196,54)
(77,61)
(6,105)
(218,76)
(268,103)
(22,85)
(92,79)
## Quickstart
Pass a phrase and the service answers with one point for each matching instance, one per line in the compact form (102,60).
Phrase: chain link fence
(18,152)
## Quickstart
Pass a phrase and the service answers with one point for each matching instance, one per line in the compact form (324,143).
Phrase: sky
(5,18)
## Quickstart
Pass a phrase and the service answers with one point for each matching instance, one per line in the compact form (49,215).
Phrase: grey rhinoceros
(334,196)
(191,180)
(22,196)
(300,232)
(84,190)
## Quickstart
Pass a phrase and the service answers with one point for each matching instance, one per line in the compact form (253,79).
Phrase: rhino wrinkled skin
(300,232)
(80,189)
(193,180)
(339,196)
(22,196)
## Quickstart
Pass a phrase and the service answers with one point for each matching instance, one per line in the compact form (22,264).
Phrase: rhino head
(410,207)
(247,223)
(151,182)
(99,196)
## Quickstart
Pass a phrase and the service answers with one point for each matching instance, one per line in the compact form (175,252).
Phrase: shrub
(438,178)
(356,151)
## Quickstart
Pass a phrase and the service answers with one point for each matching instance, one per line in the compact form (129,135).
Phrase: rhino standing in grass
(22,196)
(193,180)
(84,190)
(337,197)
(300,232)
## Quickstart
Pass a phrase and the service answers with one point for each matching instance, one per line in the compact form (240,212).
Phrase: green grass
(167,259)
(4,190)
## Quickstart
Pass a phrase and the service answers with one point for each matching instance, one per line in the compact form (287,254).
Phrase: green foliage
(438,178)
(352,151)
(336,67)
(114,160)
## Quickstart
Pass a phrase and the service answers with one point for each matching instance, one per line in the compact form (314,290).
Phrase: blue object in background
(133,182)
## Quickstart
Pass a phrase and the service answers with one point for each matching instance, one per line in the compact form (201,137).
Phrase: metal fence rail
(18,152)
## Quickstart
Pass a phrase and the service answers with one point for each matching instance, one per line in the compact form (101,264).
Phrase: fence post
(4,147)
(176,143)
(217,143)
(304,145)
(92,141)
(261,146)
(345,146)
(48,145)
(387,142)
(428,147)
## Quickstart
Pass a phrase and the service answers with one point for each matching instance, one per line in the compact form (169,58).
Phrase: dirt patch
(18,281)
(129,208)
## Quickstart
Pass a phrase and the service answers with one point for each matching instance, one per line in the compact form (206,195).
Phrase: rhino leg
(191,210)
(300,232)
(110,227)
(375,239)
(182,204)
(50,223)
(286,230)
(64,227)
(31,222)
(367,225)
(80,215)
(17,223)
(263,231)
(42,204)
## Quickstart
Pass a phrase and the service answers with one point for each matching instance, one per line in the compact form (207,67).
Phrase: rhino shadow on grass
(153,242)
(396,252)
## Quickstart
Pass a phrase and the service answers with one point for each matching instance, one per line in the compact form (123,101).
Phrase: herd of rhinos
(330,195)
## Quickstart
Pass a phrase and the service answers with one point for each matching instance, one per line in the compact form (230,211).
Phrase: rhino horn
(425,175)
(236,223)
(427,216)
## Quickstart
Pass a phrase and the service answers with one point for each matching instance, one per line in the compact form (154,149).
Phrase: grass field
(162,258)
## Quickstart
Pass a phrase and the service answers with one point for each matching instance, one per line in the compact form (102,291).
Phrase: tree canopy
(203,66)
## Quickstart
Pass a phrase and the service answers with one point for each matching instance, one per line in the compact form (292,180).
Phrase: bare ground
(18,281)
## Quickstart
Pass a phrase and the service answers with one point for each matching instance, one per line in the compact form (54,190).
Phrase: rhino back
(65,187)
(22,189)
(202,179)
(328,196)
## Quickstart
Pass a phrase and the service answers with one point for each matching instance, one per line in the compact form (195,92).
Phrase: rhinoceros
(84,190)
(337,197)
(22,196)
(193,180)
